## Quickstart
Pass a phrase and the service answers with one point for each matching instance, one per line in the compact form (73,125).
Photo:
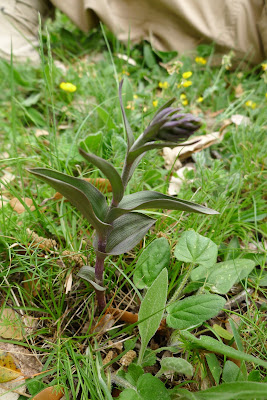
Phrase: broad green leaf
(133,373)
(92,143)
(214,366)
(31,100)
(127,232)
(194,310)
(228,391)
(154,258)
(108,170)
(129,394)
(152,199)
(88,273)
(225,274)
(151,310)
(208,343)
(196,249)
(175,365)
(106,117)
(149,387)
(9,370)
(149,57)
(230,372)
(84,196)
(130,137)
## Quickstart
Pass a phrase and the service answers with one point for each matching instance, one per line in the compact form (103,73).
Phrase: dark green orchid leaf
(152,145)
(132,166)
(108,170)
(151,199)
(88,273)
(84,196)
(129,132)
(127,232)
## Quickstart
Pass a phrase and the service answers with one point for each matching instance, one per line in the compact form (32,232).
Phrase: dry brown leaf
(41,132)
(19,207)
(50,393)
(10,324)
(3,201)
(15,392)
(68,283)
(239,91)
(9,368)
(6,178)
(185,150)
(31,285)
(239,119)
(27,361)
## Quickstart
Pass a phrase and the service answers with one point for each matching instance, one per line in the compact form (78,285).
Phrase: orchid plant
(119,226)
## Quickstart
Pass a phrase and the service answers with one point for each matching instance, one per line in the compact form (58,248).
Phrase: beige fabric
(179,25)
(19,28)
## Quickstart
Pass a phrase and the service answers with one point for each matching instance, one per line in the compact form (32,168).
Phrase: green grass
(232,184)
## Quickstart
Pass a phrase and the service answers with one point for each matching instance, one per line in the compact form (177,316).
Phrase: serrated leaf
(129,132)
(208,343)
(151,199)
(88,273)
(151,310)
(110,172)
(225,274)
(9,370)
(84,196)
(127,232)
(175,365)
(194,310)
(154,258)
(196,249)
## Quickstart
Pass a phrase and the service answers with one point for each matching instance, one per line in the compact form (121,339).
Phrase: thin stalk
(178,291)
(99,272)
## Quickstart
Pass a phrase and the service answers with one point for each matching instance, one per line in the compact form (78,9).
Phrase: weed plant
(40,126)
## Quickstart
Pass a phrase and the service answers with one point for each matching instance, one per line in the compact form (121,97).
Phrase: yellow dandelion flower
(264,66)
(183,96)
(187,74)
(185,102)
(135,96)
(201,60)
(200,99)
(68,87)
(186,83)
(164,85)
(155,103)
(250,104)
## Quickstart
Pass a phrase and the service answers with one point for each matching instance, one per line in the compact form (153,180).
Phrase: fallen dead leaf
(239,91)
(176,182)
(6,178)
(28,362)
(15,392)
(41,132)
(68,283)
(49,393)
(19,207)
(239,119)
(10,324)
(9,369)
(185,150)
